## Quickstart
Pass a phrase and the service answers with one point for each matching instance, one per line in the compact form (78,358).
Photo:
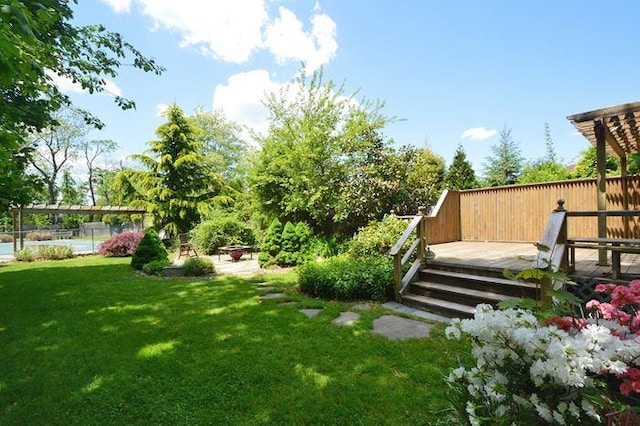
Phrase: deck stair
(454,291)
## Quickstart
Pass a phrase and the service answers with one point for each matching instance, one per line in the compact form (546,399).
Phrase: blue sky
(452,71)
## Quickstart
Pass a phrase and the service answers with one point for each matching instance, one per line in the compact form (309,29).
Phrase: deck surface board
(519,256)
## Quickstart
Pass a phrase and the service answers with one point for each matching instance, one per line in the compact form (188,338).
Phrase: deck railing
(401,256)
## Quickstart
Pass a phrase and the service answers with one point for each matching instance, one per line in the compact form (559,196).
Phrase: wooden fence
(520,212)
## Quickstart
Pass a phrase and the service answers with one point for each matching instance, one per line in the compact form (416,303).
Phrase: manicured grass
(89,341)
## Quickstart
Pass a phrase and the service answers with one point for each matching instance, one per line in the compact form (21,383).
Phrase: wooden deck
(519,256)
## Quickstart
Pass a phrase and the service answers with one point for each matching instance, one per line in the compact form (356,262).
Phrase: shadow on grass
(90,341)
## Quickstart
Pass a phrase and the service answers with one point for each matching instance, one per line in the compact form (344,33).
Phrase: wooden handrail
(400,259)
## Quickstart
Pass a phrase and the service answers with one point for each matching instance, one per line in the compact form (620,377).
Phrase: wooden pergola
(18,212)
(613,131)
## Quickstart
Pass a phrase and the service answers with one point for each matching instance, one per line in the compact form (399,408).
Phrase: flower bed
(566,370)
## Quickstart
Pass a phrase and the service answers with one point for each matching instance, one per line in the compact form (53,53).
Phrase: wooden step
(480,282)
(441,307)
(460,293)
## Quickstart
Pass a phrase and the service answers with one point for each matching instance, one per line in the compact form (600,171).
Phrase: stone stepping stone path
(270,296)
(346,319)
(365,306)
(287,303)
(395,328)
(310,312)
(266,288)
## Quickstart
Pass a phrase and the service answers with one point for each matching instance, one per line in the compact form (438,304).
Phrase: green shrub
(197,267)
(222,231)
(377,238)
(343,278)
(325,247)
(155,267)
(39,236)
(271,244)
(29,254)
(149,249)
(25,255)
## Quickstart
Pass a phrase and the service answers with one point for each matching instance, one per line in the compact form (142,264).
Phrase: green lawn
(88,341)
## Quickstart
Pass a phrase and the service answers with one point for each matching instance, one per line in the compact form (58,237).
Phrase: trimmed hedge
(341,278)
(30,254)
(197,267)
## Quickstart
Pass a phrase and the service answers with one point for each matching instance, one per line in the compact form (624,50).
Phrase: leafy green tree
(315,132)
(223,144)
(72,193)
(55,147)
(420,180)
(178,185)
(39,41)
(504,167)
(587,165)
(91,151)
(460,174)
(547,168)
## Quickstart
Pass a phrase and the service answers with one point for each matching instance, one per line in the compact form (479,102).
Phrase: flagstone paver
(395,306)
(346,319)
(273,296)
(310,312)
(266,288)
(395,328)
(365,306)
(289,303)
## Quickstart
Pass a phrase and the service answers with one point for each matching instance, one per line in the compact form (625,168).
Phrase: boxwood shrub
(198,267)
(342,278)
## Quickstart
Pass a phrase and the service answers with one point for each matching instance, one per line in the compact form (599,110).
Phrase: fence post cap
(560,207)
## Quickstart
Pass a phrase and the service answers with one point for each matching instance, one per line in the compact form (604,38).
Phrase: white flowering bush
(566,371)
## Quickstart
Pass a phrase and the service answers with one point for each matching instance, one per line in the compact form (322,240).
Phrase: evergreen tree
(460,174)
(149,248)
(504,167)
(271,244)
(547,168)
(178,184)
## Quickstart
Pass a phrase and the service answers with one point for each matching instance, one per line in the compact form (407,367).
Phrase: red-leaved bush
(121,245)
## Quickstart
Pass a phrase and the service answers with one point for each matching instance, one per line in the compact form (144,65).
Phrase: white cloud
(229,30)
(478,134)
(287,40)
(118,6)
(233,30)
(161,109)
(64,84)
(241,98)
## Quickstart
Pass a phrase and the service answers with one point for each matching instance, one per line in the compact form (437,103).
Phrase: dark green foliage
(346,279)
(40,39)
(377,238)
(149,249)
(222,231)
(504,167)
(198,267)
(325,247)
(155,267)
(587,166)
(271,244)
(285,246)
(460,174)
(178,183)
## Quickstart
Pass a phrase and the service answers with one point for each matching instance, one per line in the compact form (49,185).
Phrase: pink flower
(593,304)
(605,288)
(622,296)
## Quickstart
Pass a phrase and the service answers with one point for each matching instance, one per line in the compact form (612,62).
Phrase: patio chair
(185,247)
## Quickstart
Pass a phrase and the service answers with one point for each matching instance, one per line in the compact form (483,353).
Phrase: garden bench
(616,246)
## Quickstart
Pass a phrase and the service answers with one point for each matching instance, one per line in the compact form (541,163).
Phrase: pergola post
(601,183)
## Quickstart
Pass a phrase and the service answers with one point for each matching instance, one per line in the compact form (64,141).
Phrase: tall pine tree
(460,174)
(178,184)
(504,167)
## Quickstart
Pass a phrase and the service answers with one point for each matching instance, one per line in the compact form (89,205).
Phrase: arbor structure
(505,165)
(178,184)
(460,174)
(38,42)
